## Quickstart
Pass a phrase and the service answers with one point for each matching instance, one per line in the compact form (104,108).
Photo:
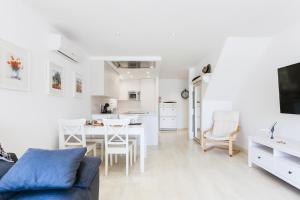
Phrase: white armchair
(224,131)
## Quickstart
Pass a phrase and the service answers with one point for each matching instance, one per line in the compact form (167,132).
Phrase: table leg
(142,153)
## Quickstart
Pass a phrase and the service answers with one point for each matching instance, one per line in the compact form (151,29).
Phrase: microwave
(134,95)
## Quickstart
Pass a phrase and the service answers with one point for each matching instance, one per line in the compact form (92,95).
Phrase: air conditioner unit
(64,46)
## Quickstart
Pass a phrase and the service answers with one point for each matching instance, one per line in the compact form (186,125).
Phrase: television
(289,89)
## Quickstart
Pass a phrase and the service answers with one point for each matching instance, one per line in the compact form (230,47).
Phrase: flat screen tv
(289,89)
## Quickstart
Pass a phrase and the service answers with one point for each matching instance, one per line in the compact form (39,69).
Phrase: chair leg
(111,159)
(102,151)
(131,155)
(127,164)
(204,144)
(116,158)
(230,148)
(134,152)
(95,151)
(106,164)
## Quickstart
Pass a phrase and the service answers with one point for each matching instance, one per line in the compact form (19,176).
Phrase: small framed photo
(55,82)
(14,67)
(78,85)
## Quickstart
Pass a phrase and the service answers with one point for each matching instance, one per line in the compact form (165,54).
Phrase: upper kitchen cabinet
(127,86)
(105,81)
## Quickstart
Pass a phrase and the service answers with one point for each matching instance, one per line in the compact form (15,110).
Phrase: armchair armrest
(207,131)
(233,135)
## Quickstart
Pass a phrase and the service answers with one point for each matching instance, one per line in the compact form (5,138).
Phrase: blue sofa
(86,186)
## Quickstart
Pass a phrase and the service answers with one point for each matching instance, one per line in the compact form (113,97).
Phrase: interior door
(197,112)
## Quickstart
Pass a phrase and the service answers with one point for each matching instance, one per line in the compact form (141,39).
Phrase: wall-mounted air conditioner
(64,46)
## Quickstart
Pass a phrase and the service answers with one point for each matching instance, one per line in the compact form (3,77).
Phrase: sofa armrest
(4,167)
(87,172)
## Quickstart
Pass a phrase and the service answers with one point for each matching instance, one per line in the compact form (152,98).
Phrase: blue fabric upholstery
(4,167)
(87,171)
(41,169)
(70,194)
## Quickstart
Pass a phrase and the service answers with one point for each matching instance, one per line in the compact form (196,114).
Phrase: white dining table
(133,130)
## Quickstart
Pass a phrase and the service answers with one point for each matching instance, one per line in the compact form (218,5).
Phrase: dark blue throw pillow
(41,169)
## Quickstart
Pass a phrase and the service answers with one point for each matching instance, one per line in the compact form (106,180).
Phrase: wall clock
(185,94)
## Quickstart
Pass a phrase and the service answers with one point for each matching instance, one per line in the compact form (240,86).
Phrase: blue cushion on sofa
(41,169)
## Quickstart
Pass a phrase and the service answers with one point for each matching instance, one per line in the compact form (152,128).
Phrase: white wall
(170,90)
(29,119)
(258,98)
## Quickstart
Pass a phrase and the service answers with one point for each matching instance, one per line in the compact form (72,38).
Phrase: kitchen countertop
(129,113)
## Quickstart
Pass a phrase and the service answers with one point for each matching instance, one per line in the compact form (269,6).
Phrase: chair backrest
(225,123)
(116,132)
(132,118)
(72,132)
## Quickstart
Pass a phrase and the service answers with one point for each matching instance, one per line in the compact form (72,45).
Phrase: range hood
(134,64)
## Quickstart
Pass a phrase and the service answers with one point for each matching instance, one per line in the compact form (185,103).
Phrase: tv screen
(289,89)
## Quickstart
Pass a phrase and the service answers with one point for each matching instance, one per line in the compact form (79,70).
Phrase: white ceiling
(182,32)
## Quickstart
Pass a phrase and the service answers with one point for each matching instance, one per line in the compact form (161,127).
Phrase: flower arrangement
(16,65)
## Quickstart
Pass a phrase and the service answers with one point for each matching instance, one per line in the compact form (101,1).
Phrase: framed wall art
(78,85)
(14,67)
(55,79)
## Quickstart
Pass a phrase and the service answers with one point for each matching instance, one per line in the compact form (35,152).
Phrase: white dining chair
(72,132)
(132,139)
(116,140)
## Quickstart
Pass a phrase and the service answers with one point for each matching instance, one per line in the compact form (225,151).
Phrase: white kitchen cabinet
(105,81)
(126,86)
(148,95)
(168,116)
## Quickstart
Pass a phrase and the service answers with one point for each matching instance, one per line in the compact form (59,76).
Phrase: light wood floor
(178,170)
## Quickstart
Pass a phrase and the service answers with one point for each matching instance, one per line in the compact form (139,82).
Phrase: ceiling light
(148,72)
(151,67)
(128,72)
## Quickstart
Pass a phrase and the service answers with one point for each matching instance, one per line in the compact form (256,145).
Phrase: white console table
(282,160)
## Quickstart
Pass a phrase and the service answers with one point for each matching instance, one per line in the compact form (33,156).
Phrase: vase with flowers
(16,66)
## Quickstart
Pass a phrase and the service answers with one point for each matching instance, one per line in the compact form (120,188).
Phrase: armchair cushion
(43,169)
(225,123)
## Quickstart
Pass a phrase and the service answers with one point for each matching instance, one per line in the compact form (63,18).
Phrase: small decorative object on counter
(272,129)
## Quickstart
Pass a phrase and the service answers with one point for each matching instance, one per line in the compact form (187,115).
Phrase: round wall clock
(185,94)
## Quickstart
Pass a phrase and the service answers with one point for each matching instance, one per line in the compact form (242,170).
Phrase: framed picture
(78,85)
(55,76)
(14,67)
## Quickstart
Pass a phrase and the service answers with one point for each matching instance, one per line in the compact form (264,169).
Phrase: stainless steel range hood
(134,64)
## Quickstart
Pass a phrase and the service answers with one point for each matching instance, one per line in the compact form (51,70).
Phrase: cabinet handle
(290,172)
(259,157)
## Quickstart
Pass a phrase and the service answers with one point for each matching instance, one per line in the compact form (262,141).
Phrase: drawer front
(289,171)
(168,122)
(168,105)
(168,111)
(262,159)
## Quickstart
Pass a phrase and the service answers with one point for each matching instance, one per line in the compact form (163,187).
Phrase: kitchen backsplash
(129,106)
(97,101)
